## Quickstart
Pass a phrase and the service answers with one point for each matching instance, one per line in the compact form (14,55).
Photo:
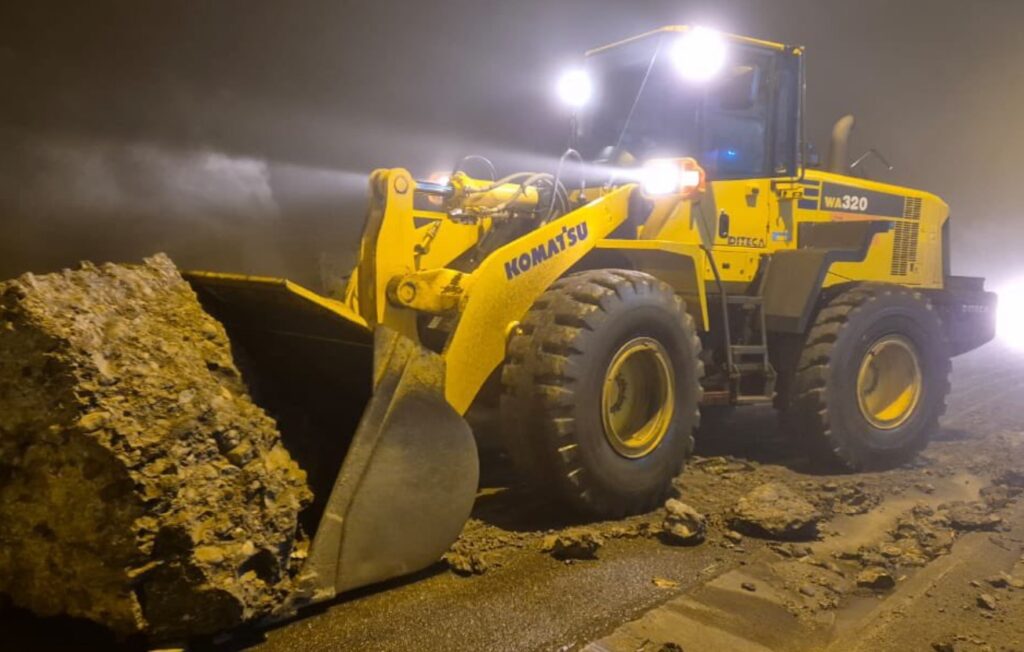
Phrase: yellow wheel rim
(638,397)
(889,383)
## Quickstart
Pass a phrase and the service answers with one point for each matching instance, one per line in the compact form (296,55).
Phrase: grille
(904,250)
(912,208)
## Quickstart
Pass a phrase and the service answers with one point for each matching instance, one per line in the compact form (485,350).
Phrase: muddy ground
(925,557)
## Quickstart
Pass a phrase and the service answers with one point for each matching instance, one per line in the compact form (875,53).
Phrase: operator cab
(729,102)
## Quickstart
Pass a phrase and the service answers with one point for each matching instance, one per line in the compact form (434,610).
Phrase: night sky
(237,135)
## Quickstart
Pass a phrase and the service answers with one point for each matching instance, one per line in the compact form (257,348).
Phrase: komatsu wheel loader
(685,254)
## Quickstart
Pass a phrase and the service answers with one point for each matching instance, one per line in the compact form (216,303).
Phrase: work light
(575,87)
(671,176)
(1010,314)
(699,54)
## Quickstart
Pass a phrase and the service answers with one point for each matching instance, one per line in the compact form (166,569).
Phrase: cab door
(741,226)
(748,141)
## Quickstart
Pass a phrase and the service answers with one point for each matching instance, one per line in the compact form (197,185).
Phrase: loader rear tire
(601,390)
(872,379)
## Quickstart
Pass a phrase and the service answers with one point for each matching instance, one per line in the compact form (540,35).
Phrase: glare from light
(661,177)
(441,178)
(1010,314)
(699,54)
(669,176)
(575,87)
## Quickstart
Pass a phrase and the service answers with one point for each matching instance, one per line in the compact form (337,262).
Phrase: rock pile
(775,511)
(140,487)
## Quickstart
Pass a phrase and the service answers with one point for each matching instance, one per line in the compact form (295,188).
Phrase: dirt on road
(787,558)
(767,553)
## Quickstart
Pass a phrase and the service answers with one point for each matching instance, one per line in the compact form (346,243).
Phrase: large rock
(775,511)
(683,524)
(139,485)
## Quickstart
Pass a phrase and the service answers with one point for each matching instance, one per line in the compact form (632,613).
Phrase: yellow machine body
(765,215)
(433,301)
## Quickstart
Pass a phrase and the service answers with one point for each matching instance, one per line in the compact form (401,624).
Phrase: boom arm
(485,303)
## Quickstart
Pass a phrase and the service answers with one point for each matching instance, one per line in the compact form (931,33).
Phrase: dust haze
(239,135)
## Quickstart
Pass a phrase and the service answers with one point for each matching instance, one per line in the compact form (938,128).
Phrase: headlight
(699,54)
(672,176)
(575,87)
(1010,314)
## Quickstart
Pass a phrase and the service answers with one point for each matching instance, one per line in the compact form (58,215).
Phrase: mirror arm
(869,153)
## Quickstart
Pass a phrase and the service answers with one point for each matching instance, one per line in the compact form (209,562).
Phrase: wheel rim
(890,382)
(638,397)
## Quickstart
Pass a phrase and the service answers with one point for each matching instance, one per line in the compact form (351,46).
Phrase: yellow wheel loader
(686,252)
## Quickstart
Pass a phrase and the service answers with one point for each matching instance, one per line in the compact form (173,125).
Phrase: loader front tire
(601,390)
(872,379)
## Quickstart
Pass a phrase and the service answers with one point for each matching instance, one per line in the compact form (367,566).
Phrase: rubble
(467,564)
(875,578)
(140,487)
(579,543)
(723,465)
(987,601)
(775,511)
(972,517)
(683,524)
(794,550)
(482,547)
(633,530)
(923,535)
(848,499)
(999,496)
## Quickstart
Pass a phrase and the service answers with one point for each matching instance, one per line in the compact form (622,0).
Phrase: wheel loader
(687,253)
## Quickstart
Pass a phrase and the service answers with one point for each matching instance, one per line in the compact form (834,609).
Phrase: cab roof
(685,28)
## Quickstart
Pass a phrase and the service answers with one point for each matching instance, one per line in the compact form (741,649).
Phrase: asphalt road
(534,602)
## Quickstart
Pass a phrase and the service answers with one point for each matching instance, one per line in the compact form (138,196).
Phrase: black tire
(824,406)
(552,390)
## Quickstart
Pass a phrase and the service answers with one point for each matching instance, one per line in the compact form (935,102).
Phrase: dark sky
(238,134)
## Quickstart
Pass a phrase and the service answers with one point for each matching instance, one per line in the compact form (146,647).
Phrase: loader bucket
(392,465)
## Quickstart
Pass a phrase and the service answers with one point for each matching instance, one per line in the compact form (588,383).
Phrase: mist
(239,135)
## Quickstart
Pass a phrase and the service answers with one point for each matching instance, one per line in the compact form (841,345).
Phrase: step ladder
(746,360)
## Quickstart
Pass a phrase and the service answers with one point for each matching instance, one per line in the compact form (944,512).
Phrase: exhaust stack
(839,149)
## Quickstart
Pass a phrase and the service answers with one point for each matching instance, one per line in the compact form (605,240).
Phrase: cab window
(748,117)
(735,115)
